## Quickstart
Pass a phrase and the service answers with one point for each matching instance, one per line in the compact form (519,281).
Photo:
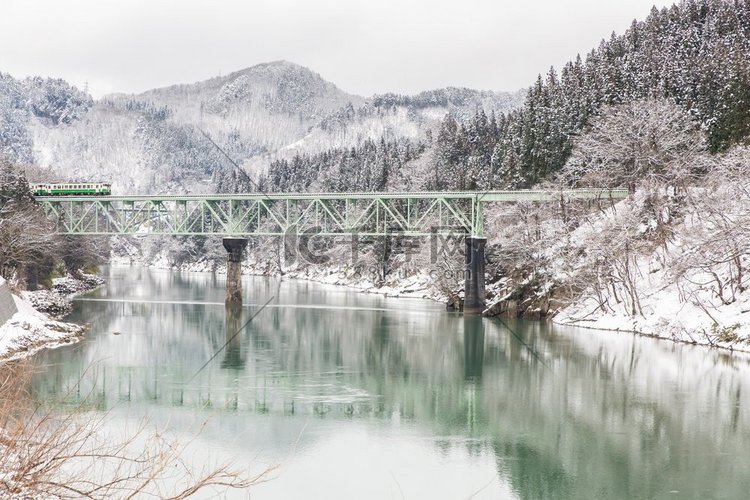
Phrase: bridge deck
(485,196)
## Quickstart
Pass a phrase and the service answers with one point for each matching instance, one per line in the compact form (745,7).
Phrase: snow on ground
(56,302)
(70,286)
(29,331)
(666,315)
(397,284)
(693,304)
(32,328)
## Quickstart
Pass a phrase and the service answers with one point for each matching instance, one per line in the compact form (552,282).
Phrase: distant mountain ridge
(152,141)
(257,101)
(695,53)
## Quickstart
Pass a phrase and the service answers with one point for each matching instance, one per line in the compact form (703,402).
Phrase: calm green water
(359,396)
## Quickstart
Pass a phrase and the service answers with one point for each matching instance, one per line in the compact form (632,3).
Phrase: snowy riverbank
(665,313)
(56,302)
(664,316)
(416,284)
(34,326)
(29,330)
(687,286)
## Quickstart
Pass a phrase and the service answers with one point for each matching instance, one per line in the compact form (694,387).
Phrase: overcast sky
(364,47)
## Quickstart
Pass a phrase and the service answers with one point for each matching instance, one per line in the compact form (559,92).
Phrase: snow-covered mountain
(393,116)
(153,142)
(271,104)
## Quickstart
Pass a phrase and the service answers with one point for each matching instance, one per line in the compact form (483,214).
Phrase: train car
(71,189)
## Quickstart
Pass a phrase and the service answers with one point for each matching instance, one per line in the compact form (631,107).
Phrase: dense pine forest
(695,53)
(372,166)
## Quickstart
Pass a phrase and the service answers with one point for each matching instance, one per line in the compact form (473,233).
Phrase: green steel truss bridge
(276,214)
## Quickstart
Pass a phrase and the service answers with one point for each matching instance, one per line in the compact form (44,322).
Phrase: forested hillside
(289,127)
(696,53)
(157,141)
(52,102)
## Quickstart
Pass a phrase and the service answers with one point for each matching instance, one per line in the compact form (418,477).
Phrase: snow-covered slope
(153,142)
(690,288)
(392,117)
(271,104)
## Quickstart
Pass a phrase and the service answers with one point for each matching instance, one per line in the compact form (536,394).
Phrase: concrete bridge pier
(474,298)
(235,249)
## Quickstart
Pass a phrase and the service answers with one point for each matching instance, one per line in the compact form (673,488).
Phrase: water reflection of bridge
(295,386)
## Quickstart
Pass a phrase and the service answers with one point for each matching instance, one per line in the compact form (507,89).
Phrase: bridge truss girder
(244,215)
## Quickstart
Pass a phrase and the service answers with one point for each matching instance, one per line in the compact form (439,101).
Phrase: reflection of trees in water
(613,415)
(624,417)
(534,474)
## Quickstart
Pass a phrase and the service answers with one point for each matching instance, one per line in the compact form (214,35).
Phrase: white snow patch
(28,331)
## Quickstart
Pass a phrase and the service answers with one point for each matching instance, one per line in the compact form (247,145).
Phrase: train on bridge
(71,189)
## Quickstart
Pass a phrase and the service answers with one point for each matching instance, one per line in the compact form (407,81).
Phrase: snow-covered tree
(646,141)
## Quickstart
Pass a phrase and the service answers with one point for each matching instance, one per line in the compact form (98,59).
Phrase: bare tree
(47,453)
(714,251)
(652,145)
(26,237)
(651,141)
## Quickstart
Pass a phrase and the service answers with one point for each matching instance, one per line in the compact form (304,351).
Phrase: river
(362,396)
